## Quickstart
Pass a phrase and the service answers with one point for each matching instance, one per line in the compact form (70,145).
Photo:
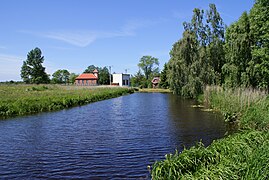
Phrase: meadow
(241,155)
(17,100)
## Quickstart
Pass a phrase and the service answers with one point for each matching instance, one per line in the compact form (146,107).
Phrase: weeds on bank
(25,99)
(234,157)
(243,155)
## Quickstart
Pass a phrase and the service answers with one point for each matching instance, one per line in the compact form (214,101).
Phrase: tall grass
(234,157)
(243,155)
(18,100)
(249,107)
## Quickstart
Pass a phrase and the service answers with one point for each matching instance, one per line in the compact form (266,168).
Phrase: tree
(139,80)
(61,76)
(259,30)
(197,58)
(238,53)
(148,65)
(72,78)
(90,69)
(164,80)
(103,76)
(32,70)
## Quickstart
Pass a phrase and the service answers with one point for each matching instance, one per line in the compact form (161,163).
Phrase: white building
(121,79)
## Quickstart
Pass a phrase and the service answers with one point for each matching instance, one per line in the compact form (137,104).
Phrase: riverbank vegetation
(242,155)
(210,54)
(230,68)
(19,100)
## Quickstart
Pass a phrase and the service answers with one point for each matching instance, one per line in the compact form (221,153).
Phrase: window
(127,82)
(123,82)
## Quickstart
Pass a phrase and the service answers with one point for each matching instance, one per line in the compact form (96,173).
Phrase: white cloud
(83,38)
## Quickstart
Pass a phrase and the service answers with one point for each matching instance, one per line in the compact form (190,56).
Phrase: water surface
(111,139)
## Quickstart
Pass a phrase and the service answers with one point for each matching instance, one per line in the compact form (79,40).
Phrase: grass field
(242,155)
(16,100)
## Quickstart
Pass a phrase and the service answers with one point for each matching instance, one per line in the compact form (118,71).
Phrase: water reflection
(112,139)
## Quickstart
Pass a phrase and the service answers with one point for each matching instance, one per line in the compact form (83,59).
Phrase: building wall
(83,82)
(122,79)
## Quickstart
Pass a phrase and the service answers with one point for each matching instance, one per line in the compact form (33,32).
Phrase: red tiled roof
(87,76)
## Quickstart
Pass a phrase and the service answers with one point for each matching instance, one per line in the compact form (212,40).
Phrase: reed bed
(16,100)
(243,155)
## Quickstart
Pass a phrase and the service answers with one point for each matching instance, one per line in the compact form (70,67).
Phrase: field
(242,155)
(17,100)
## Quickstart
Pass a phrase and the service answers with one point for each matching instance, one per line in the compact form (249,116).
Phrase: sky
(74,34)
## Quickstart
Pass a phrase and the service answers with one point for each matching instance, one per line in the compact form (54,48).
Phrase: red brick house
(87,79)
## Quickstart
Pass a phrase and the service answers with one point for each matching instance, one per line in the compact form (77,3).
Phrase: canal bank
(242,155)
(18,100)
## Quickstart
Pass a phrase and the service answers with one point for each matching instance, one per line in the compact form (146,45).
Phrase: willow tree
(197,58)
(260,51)
(237,70)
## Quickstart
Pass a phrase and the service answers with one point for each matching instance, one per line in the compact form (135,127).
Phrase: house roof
(155,80)
(87,76)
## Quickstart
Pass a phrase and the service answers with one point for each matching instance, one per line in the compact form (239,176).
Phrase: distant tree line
(210,54)
(33,72)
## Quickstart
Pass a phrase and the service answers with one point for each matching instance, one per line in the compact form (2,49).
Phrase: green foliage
(164,80)
(197,58)
(19,100)
(103,74)
(32,70)
(60,76)
(247,48)
(243,155)
(139,80)
(103,77)
(148,65)
(90,69)
(259,22)
(72,78)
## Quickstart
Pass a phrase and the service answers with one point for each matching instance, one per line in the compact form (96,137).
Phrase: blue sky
(74,34)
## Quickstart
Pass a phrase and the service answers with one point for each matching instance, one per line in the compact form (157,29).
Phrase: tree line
(209,53)
(33,72)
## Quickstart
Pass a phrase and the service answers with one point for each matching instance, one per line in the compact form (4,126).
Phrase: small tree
(103,76)
(90,69)
(61,76)
(72,78)
(32,70)
(147,64)
(164,80)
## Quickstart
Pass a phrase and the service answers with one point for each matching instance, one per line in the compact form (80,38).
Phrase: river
(111,139)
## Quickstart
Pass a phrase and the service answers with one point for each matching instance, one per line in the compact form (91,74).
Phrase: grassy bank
(242,155)
(19,100)
(152,90)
